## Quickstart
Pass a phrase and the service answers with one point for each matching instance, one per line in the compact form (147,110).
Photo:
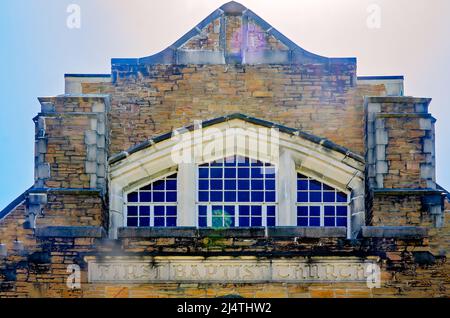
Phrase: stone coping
(71,231)
(253,232)
(394,231)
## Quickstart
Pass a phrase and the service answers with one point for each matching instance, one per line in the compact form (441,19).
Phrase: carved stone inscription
(186,269)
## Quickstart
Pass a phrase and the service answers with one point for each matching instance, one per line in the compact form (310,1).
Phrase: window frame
(322,204)
(210,204)
(151,205)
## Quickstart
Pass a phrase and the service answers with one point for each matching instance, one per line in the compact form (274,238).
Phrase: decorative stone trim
(394,231)
(308,232)
(70,231)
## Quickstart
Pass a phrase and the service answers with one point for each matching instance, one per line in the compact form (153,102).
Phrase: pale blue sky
(37,49)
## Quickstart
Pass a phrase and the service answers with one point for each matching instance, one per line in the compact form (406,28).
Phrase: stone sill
(405,232)
(254,232)
(71,231)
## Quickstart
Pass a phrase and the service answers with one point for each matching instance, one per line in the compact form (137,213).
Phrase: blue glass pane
(243,172)
(315,185)
(159,221)
(243,196)
(271,211)
(244,221)
(329,210)
(203,172)
(216,172)
(133,197)
(270,172)
(203,185)
(270,196)
(302,211)
(144,211)
(302,196)
(243,184)
(144,222)
(229,222)
(302,185)
(230,196)
(158,196)
(203,196)
(329,197)
(314,210)
(217,210)
(300,176)
(314,222)
(270,221)
(132,222)
(230,184)
(217,222)
(132,210)
(244,210)
(159,210)
(257,196)
(270,184)
(202,210)
(216,196)
(230,173)
(256,210)
(341,211)
(302,221)
(202,222)
(229,210)
(257,184)
(315,196)
(327,188)
(216,184)
(256,221)
(171,196)
(341,222)
(158,185)
(171,210)
(147,187)
(145,197)
(329,221)
(341,197)
(171,184)
(257,173)
(171,221)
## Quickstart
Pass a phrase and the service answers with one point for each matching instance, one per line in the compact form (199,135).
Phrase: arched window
(154,204)
(319,204)
(236,192)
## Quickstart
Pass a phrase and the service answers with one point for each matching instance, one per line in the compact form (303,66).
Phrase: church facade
(233,163)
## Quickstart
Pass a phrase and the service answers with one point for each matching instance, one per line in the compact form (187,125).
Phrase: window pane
(302,221)
(159,221)
(216,172)
(302,185)
(133,197)
(270,184)
(257,185)
(270,221)
(244,221)
(329,211)
(244,210)
(243,173)
(132,222)
(341,197)
(270,196)
(302,211)
(203,185)
(341,221)
(256,210)
(302,196)
(243,196)
(230,196)
(171,210)
(171,196)
(159,210)
(203,196)
(314,211)
(203,172)
(230,172)
(329,221)
(329,197)
(257,173)
(314,185)
(216,184)
(217,222)
(144,221)
(171,221)
(144,211)
(202,210)
(314,222)
(256,221)
(145,197)
(158,185)
(257,196)
(216,196)
(202,222)
(243,184)
(315,196)
(158,196)
(171,184)
(271,211)
(132,210)
(341,211)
